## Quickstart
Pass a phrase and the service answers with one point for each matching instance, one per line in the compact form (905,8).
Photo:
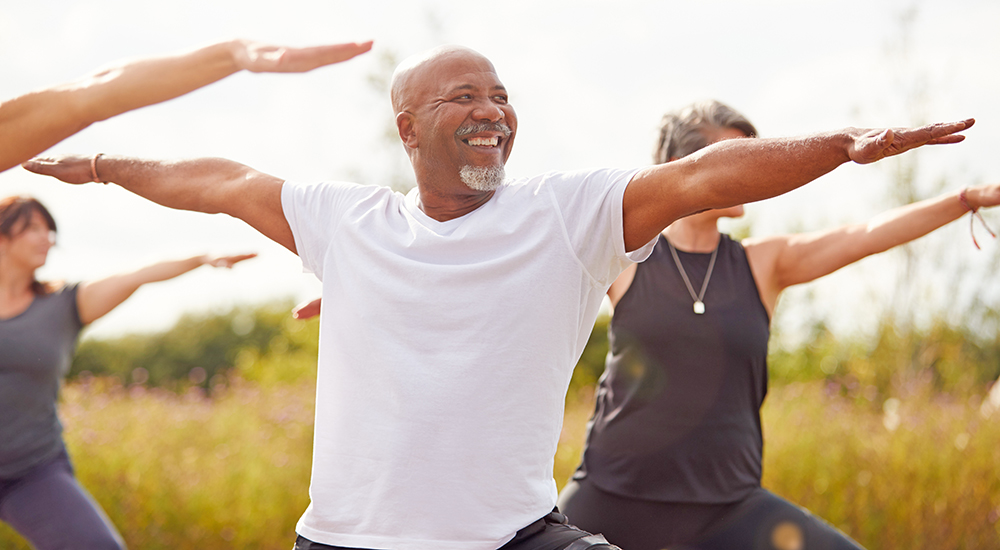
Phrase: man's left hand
(874,145)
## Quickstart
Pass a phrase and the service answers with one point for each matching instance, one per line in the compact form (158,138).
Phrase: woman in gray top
(674,450)
(39,324)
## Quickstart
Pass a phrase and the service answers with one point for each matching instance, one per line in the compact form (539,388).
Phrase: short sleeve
(68,294)
(314,211)
(590,204)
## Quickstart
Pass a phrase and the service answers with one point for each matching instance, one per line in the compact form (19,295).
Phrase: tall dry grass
(185,471)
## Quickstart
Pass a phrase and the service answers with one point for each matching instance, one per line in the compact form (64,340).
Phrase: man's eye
(500,98)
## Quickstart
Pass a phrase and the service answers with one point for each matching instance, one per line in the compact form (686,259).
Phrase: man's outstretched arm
(31,123)
(739,171)
(210,185)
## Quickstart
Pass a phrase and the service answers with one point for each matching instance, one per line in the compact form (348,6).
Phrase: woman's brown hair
(15,214)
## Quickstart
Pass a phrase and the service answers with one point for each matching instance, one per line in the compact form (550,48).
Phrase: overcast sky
(589,80)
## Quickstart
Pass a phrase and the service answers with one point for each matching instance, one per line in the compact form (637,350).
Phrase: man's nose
(488,111)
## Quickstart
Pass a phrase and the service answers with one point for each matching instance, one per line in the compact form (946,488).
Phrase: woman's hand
(983,196)
(227,261)
(266,58)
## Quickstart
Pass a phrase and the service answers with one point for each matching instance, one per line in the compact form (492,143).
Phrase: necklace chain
(699,305)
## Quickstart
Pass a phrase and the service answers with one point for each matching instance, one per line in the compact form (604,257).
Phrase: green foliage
(591,364)
(954,359)
(203,348)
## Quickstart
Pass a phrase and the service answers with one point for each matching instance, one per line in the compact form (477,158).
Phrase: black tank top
(678,406)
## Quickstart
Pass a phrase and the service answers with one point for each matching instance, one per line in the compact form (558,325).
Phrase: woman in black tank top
(674,450)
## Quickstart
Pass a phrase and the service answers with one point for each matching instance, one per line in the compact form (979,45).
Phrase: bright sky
(589,80)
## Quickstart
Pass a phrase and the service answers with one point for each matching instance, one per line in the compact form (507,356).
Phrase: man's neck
(448,206)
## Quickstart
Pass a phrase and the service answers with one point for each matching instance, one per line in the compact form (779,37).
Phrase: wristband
(93,169)
(974,213)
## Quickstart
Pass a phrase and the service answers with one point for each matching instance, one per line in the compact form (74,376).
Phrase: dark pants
(48,507)
(552,532)
(762,521)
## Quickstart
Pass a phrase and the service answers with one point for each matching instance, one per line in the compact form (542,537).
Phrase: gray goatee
(482,178)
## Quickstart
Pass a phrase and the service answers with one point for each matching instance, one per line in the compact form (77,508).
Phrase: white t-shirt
(446,349)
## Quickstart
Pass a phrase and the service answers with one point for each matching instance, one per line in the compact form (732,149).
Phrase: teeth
(490,142)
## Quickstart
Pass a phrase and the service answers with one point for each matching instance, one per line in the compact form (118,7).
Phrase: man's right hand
(68,168)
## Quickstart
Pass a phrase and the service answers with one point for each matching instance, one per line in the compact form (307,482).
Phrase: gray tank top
(678,407)
(36,348)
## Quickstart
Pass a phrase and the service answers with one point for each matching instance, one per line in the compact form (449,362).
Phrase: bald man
(462,307)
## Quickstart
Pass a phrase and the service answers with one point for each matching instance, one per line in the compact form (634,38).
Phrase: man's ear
(407,129)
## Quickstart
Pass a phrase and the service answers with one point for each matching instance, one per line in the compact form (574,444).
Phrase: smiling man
(462,307)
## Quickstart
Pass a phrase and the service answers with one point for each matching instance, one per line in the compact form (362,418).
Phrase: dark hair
(684,131)
(15,214)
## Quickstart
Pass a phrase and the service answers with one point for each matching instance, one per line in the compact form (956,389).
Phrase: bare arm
(739,171)
(782,261)
(32,123)
(210,185)
(96,298)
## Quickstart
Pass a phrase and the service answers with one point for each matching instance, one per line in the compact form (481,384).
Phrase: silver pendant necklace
(699,305)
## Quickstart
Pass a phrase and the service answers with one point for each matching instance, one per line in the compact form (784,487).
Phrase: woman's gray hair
(685,131)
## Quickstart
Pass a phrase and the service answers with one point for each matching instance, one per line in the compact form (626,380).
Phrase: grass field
(181,470)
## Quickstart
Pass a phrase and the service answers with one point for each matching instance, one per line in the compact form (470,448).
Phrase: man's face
(463,124)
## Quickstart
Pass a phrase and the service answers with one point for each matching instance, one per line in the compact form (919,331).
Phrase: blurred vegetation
(953,360)
(264,344)
(204,349)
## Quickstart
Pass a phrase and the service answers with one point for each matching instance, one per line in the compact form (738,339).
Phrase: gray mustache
(483,127)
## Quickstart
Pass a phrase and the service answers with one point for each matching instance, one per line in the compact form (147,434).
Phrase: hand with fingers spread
(874,145)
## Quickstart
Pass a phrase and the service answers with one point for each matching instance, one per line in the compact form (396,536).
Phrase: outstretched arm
(96,298)
(784,260)
(738,171)
(32,123)
(210,185)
